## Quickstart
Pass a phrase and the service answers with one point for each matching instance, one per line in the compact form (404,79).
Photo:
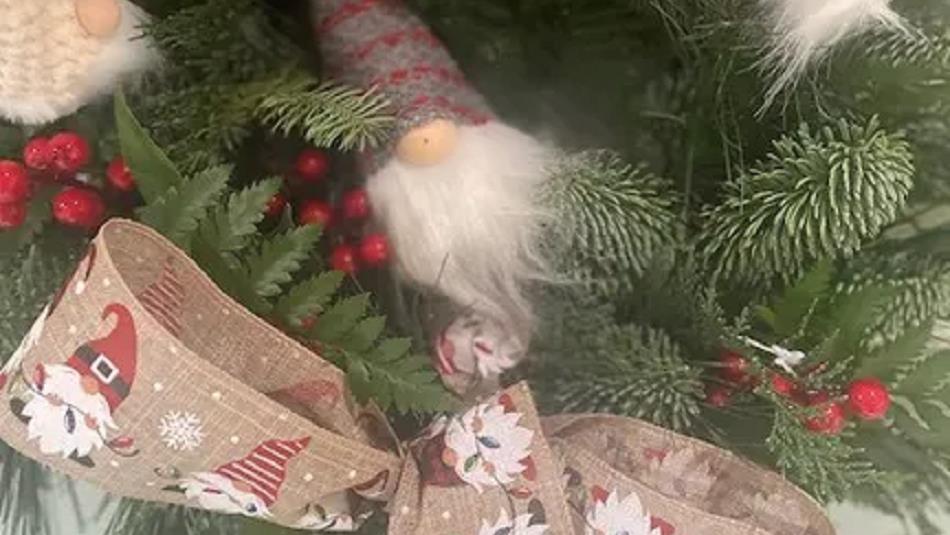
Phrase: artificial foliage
(686,219)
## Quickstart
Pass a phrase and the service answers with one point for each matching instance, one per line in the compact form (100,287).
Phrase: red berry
(276,205)
(314,212)
(69,152)
(79,207)
(355,204)
(14,182)
(119,175)
(12,215)
(734,367)
(869,399)
(782,385)
(37,154)
(718,396)
(828,421)
(343,259)
(374,250)
(312,165)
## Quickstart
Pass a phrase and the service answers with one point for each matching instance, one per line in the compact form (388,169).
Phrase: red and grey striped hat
(265,468)
(163,299)
(381,44)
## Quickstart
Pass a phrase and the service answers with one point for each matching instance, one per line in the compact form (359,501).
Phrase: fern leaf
(308,297)
(279,258)
(340,319)
(178,213)
(229,228)
(817,196)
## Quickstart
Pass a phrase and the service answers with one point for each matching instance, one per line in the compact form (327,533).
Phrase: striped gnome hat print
(264,470)
(455,189)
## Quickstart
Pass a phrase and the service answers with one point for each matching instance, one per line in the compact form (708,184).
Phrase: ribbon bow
(143,377)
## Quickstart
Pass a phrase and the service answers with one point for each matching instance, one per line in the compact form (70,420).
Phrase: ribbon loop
(146,379)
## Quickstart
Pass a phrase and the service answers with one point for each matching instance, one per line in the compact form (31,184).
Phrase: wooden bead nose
(100,18)
(428,144)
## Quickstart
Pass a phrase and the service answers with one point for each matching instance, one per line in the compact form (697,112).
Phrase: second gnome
(456,189)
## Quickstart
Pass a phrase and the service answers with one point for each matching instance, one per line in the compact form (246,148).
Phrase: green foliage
(267,274)
(623,369)
(817,196)
(612,217)
(326,114)
(828,467)
(133,517)
(156,173)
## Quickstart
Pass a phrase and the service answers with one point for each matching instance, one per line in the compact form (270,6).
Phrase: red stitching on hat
(426,101)
(349,10)
(393,39)
(403,75)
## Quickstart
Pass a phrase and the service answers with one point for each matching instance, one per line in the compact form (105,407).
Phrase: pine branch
(612,217)
(326,114)
(626,370)
(826,467)
(817,196)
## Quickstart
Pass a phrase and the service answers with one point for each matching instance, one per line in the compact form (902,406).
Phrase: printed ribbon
(144,378)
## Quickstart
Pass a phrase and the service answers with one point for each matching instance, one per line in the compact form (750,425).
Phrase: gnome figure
(456,188)
(58,55)
(247,486)
(71,405)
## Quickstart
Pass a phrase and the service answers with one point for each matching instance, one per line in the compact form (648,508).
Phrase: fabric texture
(229,414)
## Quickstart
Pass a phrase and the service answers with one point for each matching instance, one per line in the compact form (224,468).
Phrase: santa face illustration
(67,413)
(216,492)
(248,486)
(69,407)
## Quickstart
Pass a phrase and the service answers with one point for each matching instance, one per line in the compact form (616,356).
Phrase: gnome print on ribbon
(457,189)
(474,351)
(248,486)
(69,407)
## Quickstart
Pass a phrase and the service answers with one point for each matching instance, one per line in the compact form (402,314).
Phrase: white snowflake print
(181,431)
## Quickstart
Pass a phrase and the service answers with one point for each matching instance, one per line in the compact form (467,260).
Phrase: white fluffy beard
(467,227)
(805,30)
(124,54)
(56,429)
(215,492)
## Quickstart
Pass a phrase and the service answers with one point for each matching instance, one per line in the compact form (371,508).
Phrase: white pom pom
(805,30)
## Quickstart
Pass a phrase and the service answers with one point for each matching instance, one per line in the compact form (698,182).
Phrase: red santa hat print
(264,470)
(108,365)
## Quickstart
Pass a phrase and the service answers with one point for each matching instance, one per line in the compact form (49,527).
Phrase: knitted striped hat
(381,44)
(51,60)
(265,468)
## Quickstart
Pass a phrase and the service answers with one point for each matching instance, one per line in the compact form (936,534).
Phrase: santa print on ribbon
(247,486)
(69,407)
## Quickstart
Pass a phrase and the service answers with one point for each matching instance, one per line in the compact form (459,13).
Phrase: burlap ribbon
(143,377)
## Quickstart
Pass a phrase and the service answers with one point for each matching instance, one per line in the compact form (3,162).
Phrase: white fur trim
(804,31)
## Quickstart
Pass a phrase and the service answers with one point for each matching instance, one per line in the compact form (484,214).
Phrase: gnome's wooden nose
(100,18)
(428,144)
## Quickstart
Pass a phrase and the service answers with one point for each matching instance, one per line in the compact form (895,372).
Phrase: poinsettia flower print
(486,447)
(609,514)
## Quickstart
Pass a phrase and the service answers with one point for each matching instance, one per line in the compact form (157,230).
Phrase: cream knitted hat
(51,63)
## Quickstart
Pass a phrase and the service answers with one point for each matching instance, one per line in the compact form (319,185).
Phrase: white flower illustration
(181,431)
(614,515)
(522,525)
(486,446)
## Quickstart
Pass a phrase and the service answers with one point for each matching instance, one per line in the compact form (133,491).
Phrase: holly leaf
(154,172)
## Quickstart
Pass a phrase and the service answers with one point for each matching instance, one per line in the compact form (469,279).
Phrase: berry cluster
(345,220)
(866,398)
(57,161)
